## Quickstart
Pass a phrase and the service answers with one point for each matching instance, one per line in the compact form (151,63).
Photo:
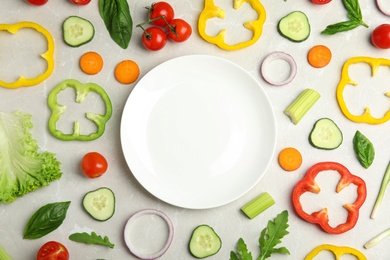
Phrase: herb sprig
(270,237)
(355,19)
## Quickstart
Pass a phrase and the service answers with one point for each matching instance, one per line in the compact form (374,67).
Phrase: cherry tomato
(53,250)
(80,2)
(380,37)
(94,165)
(320,2)
(37,2)
(179,30)
(159,9)
(154,38)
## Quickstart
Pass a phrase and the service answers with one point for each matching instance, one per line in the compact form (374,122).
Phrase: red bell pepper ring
(308,184)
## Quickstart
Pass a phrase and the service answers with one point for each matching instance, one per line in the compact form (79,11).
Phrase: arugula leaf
(355,19)
(364,149)
(269,238)
(272,235)
(92,238)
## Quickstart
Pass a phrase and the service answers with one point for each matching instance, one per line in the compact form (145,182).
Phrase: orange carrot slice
(91,63)
(319,56)
(127,72)
(290,159)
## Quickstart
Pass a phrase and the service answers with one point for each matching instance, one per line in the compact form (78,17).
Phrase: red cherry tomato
(380,37)
(179,30)
(53,250)
(80,2)
(159,9)
(154,38)
(37,2)
(320,2)
(94,165)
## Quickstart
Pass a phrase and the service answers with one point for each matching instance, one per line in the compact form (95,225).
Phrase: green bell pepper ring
(82,91)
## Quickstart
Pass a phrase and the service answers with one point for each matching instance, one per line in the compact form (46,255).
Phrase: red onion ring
(278,55)
(382,8)
(168,242)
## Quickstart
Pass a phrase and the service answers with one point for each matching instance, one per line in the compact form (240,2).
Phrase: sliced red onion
(278,55)
(154,255)
(384,8)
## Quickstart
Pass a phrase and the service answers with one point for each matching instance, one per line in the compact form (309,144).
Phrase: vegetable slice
(77,31)
(91,63)
(278,55)
(126,72)
(301,105)
(290,159)
(319,56)
(382,191)
(295,26)
(258,205)
(383,6)
(325,134)
(100,203)
(128,240)
(204,242)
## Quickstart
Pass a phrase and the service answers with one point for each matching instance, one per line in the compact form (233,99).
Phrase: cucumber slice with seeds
(77,31)
(100,203)
(295,26)
(326,135)
(204,242)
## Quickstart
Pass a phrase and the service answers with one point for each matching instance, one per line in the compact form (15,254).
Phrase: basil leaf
(118,21)
(364,149)
(353,9)
(92,238)
(46,219)
(340,27)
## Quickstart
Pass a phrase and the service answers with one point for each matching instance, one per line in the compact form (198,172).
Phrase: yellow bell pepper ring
(211,11)
(365,117)
(48,56)
(338,252)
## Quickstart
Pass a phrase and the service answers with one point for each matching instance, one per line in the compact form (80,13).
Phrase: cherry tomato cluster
(42,2)
(164,26)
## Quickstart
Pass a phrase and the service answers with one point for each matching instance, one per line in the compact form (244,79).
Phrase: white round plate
(198,131)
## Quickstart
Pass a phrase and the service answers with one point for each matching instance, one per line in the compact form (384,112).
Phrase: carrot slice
(290,159)
(319,56)
(127,72)
(91,63)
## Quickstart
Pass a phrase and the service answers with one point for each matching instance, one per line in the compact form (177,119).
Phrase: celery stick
(4,255)
(258,205)
(382,191)
(377,239)
(299,107)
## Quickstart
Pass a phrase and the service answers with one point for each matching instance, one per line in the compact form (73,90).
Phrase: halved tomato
(53,250)
(320,2)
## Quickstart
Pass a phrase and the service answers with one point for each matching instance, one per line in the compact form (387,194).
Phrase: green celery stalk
(382,191)
(258,205)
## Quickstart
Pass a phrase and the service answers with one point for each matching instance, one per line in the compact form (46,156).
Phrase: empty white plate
(198,131)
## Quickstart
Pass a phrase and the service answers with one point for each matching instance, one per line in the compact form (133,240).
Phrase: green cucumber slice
(77,31)
(326,134)
(204,242)
(295,26)
(100,203)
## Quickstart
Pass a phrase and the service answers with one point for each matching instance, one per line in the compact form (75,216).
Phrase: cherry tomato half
(320,2)
(53,250)
(380,36)
(94,165)
(37,2)
(159,9)
(154,38)
(179,30)
(80,2)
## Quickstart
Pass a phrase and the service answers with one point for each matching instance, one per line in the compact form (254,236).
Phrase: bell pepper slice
(338,252)
(48,56)
(211,11)
(308,184)
(365,117)
(82,91)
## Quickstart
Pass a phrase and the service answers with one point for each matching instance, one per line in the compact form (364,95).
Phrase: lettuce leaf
(23,168)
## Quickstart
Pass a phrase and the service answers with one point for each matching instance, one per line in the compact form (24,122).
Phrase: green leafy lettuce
(23,168)
(270,237)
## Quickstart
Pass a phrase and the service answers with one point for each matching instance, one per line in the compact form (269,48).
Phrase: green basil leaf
(341,27)
(46,219)
(92,238)
(118,21)
(364,149)
(353,8)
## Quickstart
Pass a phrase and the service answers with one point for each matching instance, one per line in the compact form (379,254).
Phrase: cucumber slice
(204,242)
(77,31)
(100,203)
(295,26)
(326,134)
